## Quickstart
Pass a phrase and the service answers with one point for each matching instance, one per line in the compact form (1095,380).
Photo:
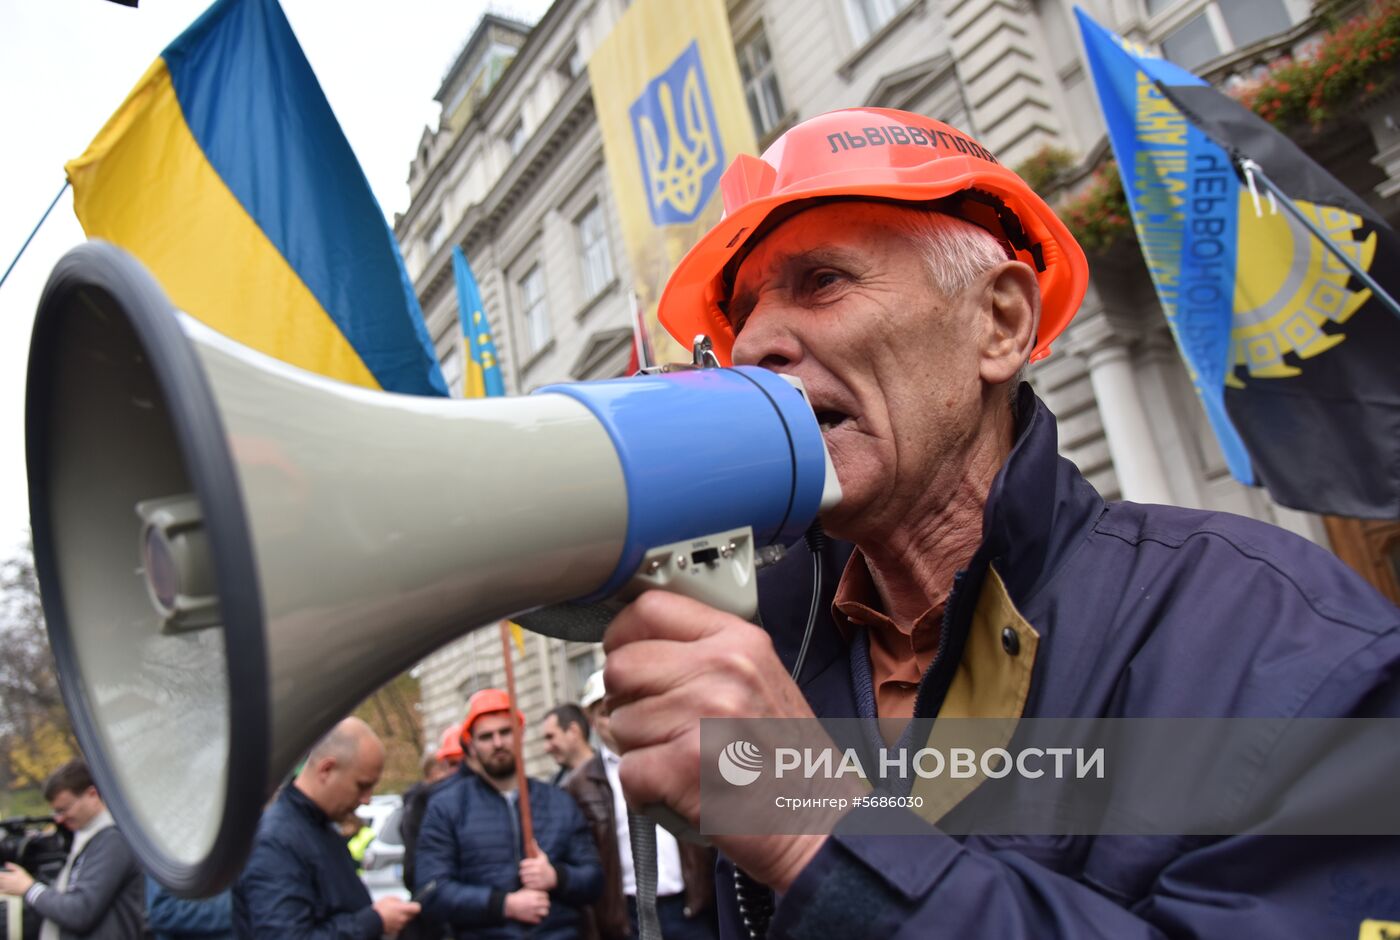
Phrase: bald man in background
(300,880)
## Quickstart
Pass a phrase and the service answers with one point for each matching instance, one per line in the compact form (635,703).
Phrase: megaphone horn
(232,552)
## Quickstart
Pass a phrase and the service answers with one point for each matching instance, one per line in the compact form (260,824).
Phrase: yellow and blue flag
(1292,356)
(673,115)
(226,173)
(481,371)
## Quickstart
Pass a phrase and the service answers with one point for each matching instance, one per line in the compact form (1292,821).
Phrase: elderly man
(907,278)
(300,880)
(475,872)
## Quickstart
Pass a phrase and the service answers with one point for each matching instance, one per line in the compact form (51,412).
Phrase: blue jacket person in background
(300,880)
(173,918)
(473,872)
(907,278)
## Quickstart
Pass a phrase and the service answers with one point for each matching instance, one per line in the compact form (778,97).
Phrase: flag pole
(645,358)
(42,219)
(1253,171)
(522,786)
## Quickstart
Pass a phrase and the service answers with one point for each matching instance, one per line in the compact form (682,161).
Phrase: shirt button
(1010,641)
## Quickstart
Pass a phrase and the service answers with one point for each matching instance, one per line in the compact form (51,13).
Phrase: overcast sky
(66,65)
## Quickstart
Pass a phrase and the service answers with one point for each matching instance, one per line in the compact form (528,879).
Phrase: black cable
(816,542)
(755,904)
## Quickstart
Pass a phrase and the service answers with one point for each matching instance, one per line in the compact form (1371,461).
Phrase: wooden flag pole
(522,787)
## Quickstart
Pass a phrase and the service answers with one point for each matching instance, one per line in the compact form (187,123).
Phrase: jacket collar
(595,771)
(1039,504)
(304,805)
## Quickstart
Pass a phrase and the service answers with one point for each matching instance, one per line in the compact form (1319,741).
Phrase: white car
(382,865)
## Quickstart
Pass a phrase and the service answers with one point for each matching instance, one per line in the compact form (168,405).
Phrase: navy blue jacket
(1142,611)
(300,880)
(171,918)
(469,860)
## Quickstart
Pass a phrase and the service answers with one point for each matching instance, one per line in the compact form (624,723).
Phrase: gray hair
(956,253)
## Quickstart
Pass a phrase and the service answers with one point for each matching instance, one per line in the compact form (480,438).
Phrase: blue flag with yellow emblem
(1293,358)
(227,174)
(481,370)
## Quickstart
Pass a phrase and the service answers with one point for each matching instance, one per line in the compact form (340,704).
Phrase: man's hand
(14,880)
(672,661)
(395,913)
(537,872)
(528,905)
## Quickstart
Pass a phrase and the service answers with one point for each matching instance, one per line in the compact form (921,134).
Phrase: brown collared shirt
(900,653)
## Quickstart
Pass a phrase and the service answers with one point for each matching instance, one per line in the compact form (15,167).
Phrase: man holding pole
(498,848)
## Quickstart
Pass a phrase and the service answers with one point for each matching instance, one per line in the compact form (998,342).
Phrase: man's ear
(1011,316)
(325,767)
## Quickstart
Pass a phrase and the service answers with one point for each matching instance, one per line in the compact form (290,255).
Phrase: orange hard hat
(451,746)
(884,155)
(485,702)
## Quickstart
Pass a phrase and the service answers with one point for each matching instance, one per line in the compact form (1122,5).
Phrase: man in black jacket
(300,880)
(100,892)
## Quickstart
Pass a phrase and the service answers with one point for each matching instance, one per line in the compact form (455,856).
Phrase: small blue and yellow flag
(1292,356)
(481,373)
(226,173)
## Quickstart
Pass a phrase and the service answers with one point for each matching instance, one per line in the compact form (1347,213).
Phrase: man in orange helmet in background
(474,871)
(907,278)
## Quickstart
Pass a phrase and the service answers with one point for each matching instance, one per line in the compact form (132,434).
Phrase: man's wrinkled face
(840,296)
(76,810)
(493,740)
(346,785)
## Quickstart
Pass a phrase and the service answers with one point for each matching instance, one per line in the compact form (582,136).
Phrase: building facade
(515,174)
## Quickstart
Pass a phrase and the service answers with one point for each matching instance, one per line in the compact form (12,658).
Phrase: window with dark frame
(535,312)
(760,83)
(593,250)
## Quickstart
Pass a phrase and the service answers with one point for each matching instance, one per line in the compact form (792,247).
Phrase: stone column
(1142,475)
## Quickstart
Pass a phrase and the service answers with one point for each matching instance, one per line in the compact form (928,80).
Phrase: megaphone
(232,552)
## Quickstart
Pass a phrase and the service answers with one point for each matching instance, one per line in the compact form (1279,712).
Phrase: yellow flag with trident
(672,112)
